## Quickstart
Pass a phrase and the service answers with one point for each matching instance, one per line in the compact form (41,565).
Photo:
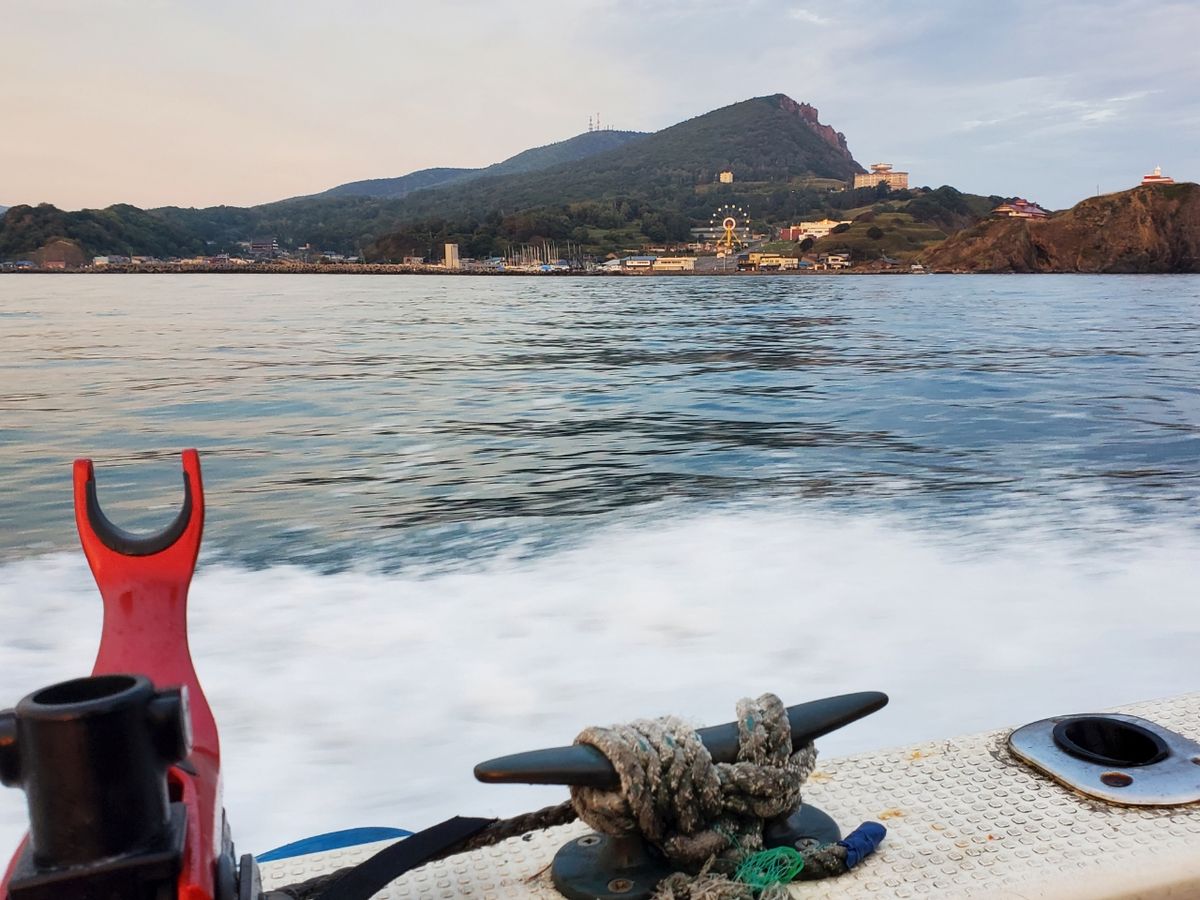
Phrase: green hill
(605,190)
(767,139)
(573,149)
(120,229)
(899,225)
(395,188)
(782,157)
(582,146)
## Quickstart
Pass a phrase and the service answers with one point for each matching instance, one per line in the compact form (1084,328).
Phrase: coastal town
(729,245)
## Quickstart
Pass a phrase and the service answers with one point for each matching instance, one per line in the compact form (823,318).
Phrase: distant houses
(814,230)
(833,261)
(675,264)
(267,247)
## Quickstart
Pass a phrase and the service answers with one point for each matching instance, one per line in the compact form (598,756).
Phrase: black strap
(370,877)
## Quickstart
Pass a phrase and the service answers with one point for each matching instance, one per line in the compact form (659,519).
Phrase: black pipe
(92,757)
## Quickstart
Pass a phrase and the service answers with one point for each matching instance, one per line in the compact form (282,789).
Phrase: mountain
(767,139)
(600,189)
(395,188)
(573,149)
(1152,228)
(775,147)
(3,210)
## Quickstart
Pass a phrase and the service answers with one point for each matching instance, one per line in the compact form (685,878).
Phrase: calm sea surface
(419,419)
(455,517)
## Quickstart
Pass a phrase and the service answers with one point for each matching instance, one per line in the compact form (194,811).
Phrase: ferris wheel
(730,218)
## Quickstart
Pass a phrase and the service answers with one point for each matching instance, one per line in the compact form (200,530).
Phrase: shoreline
(399,269)
(393,269)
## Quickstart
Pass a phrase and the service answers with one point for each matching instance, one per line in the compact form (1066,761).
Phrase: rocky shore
(1150,229)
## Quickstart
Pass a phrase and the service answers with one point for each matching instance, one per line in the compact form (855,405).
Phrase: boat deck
(964,819)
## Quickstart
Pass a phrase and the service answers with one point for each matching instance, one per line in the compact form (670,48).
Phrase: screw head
(620,886)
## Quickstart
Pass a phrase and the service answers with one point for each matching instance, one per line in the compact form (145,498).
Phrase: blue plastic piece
(333,840)
(862,842)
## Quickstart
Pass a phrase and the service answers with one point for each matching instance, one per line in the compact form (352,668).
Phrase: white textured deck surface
(964,819)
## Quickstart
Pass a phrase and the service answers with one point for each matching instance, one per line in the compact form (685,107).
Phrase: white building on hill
(882,172)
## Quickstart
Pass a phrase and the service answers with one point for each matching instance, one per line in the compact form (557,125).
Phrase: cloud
(242,103)
(807,16)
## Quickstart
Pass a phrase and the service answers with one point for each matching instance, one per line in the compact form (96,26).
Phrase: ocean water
(451,518)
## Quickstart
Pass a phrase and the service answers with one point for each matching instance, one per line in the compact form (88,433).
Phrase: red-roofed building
(1157,177)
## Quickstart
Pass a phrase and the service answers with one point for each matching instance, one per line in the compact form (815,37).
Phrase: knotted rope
(678,799)
(707,818)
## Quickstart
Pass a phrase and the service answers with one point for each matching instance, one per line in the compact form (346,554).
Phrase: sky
(187,103)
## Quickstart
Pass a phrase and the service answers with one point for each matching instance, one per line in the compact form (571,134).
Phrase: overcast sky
(204,102)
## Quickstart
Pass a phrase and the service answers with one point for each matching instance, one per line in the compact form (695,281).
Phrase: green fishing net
(767,867)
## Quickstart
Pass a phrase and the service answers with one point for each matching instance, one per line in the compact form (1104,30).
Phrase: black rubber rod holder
(121,541)
(587,766)
(92,756)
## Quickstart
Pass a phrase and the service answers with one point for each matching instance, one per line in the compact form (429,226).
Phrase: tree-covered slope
(395,188)
(766,139)
(656,185)
(766,142)
(573,149)
(120,229)
(582,146)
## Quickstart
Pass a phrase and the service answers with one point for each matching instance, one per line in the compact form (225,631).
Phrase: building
(833,261)
(638,262)
(773,262)
(451,260)
(267,246)
(814,230)
(675,264)
(725,177)
(1020,209)
(882,172)
(1157,177)
(59,254)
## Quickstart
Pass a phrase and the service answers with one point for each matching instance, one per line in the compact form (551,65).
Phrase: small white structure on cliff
(1157,177)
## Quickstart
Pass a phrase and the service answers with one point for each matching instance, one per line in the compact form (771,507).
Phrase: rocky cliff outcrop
(1152,228)
(811,116)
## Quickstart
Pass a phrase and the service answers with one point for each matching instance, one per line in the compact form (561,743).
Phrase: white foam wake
(363,698)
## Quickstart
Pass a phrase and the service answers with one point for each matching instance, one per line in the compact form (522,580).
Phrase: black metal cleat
(602,867)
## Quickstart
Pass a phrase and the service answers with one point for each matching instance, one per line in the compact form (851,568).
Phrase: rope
(500,830)
(675,797)
(707,818)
